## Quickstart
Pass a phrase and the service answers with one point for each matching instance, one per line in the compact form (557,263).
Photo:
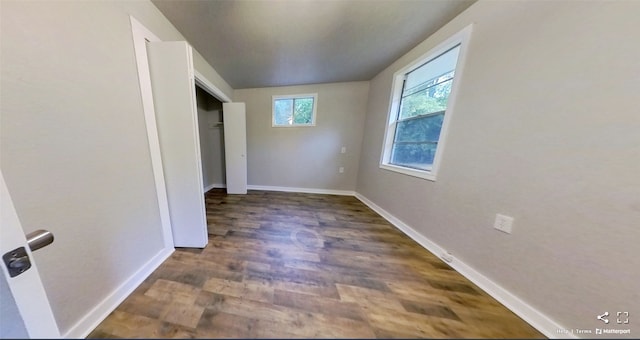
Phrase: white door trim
(210,88)
(140,37)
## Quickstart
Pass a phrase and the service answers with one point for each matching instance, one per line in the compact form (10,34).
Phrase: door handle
(17,260)
(39,239)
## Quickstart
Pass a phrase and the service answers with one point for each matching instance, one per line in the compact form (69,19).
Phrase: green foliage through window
(431,97)
(416,141)
(293,111)
(421,113)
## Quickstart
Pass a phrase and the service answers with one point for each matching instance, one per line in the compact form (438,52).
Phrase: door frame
(142,35)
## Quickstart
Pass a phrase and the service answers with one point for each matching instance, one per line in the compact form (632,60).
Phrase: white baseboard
(531,315)
(214,185)
(100,312)
(302,190)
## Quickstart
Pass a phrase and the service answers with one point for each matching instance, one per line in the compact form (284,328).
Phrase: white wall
(74,149)
(546,129)
(306,157)
(211,139)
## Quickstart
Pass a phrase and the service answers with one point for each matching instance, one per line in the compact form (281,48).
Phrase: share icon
(603,317)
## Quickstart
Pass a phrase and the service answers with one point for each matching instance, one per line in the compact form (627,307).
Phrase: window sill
(293,126)
(428,175)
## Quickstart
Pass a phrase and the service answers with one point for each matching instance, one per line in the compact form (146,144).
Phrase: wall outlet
(503,223)
(447,257)
(341,169)
(343,150)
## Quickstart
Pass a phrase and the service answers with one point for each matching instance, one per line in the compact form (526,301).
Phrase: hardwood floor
(290,265)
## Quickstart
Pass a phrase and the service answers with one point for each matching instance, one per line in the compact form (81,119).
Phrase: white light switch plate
(504,223)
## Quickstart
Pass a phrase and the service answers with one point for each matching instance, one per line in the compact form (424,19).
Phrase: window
(296,110)
(422,98)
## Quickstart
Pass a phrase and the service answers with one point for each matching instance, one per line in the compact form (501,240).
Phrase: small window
(422,97)
(295,110)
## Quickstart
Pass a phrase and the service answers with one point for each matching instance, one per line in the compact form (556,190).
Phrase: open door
(25,310)
(235,147)
(173,87)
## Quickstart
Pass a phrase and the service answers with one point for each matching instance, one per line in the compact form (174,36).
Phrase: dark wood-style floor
(290,265)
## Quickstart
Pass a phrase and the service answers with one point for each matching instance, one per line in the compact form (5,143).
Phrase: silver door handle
(17,260)
(39,238)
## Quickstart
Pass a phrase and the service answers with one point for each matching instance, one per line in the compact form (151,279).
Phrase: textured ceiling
(290,42)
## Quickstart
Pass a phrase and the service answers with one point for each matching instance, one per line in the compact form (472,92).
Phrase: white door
(174,98)
(25,310)
(235,147)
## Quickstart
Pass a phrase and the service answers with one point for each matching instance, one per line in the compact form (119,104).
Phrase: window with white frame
(294,110)
(422,97)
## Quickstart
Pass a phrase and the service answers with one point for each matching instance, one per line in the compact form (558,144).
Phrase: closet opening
(211,130)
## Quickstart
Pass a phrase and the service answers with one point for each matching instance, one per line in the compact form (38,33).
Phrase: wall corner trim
(535,318)
(100,312)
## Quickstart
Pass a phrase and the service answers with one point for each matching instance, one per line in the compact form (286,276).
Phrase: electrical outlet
(341,169)
(503,223)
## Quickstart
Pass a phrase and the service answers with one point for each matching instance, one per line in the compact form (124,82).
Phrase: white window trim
(462,38)
(294,96)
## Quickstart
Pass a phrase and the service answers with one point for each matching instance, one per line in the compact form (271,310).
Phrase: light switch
(504,223)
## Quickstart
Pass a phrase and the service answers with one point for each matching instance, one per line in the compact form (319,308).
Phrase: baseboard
(100,312)
(302,190)
(528,313)
(214,185)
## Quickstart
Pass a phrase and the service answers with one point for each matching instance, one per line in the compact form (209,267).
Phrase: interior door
(174,98)
(25,307)
(235,147)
